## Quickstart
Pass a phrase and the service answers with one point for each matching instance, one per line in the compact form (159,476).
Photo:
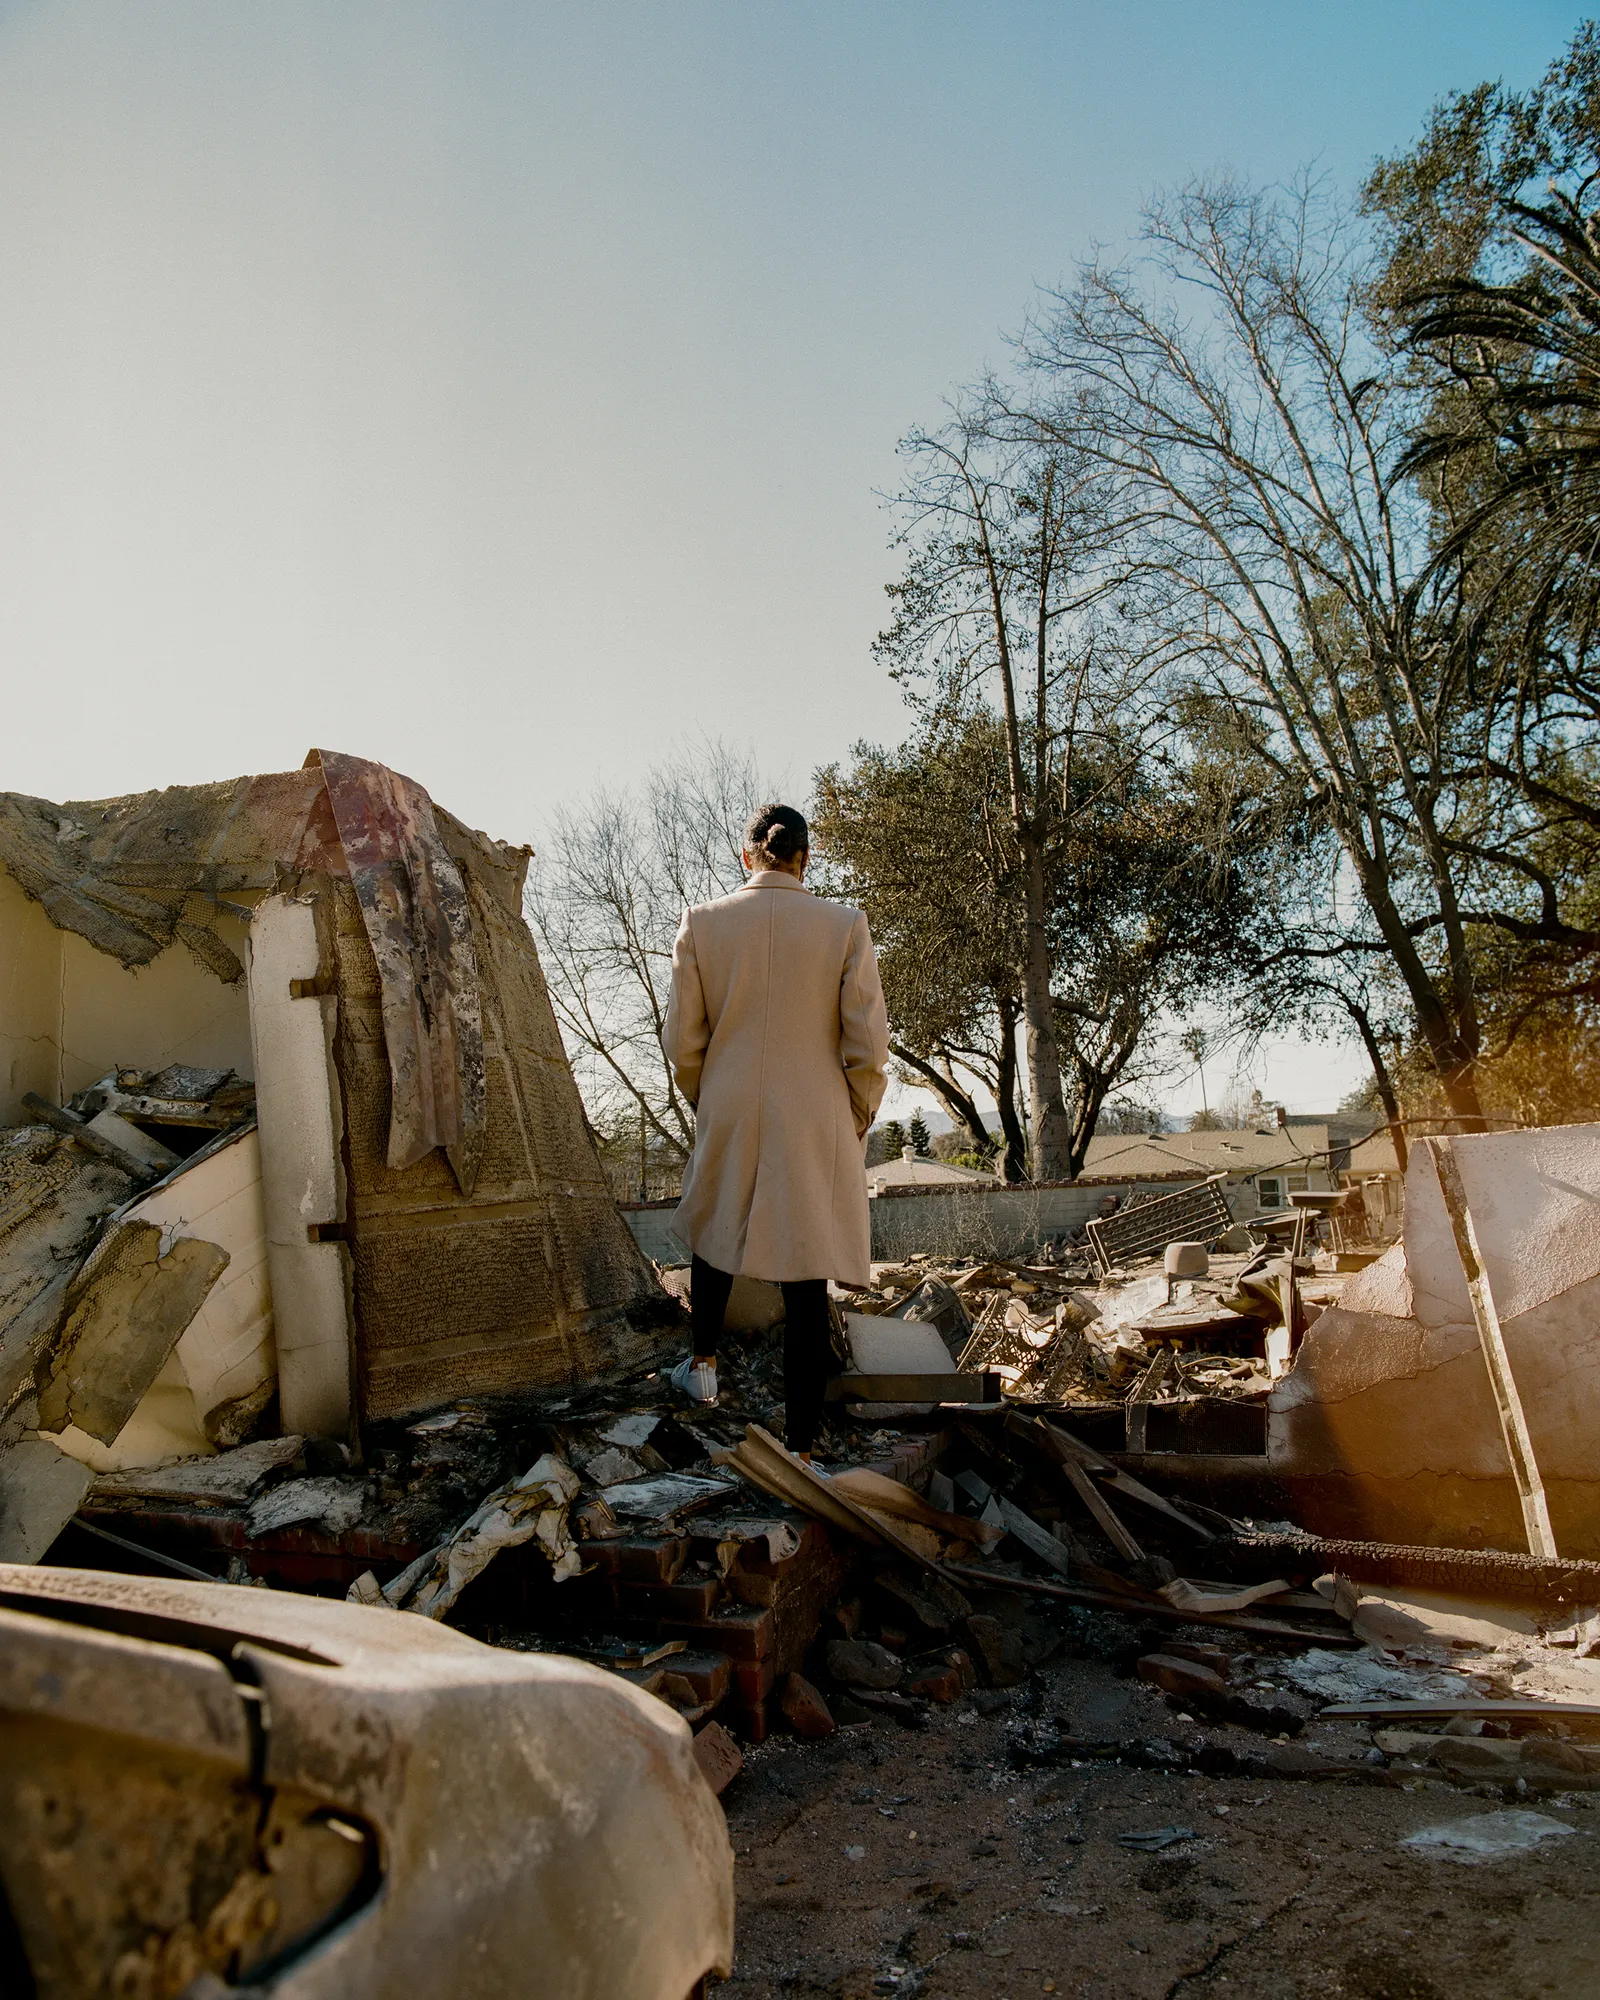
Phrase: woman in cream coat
(777,1035)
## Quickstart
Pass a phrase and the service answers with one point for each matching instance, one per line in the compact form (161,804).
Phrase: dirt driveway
(892,1861)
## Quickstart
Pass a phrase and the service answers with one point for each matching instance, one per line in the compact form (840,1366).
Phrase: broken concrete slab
(229,1479)
(1488,1836)
(863,1663)
(126,1310)
(885,1345)
(41,1488)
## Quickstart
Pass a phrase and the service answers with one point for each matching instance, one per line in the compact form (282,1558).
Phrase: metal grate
(1193,1215)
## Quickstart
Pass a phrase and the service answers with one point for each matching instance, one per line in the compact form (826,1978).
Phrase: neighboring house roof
(1133,1154)
(921,1172)
(1375,1155)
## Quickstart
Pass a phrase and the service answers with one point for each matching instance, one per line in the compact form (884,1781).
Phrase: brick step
(741,1634)
(696,1600)
(639,1558)
(751,1724)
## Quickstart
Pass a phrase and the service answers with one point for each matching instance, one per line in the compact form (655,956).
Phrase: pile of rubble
(1218,1324)
(916,1566)
(309,1278)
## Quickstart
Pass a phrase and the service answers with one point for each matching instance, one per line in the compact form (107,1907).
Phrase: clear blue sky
(501,390)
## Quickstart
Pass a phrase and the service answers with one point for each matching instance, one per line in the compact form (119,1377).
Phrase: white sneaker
(696,1380)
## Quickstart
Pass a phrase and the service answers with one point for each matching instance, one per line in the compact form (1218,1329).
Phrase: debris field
(1207,1602)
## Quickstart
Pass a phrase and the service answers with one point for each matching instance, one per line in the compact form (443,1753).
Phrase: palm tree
(1520,425)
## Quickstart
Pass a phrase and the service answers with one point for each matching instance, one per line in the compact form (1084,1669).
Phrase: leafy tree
(916,836)
(917,1135)
(990,615)
(1146,907)
(1490,227)
(1124,1114)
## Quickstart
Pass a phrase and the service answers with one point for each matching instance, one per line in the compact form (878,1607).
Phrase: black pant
(807,1343)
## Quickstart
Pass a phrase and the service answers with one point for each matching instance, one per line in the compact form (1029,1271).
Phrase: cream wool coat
(777,1034)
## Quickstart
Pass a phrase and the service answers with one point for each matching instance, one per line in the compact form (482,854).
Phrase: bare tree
(997,605)
(605,899)
(1230,392)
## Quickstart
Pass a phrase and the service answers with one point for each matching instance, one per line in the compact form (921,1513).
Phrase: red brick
(752,1725)
(639,1558)
(695,1600)
(937,1684)
(1179,1677)
(742,1635)
(754,1680)
(709,1674)
(718,1757)
(804,1709)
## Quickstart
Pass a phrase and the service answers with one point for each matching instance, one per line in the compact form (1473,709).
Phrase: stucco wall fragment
(302,1178)
(1386,1428)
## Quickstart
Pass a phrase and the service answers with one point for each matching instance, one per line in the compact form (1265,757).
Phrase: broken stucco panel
(1535,1201)
(53,1198)
(127,1307)
(224,1368)
(227,1350)
(30,982)
(1383,1287)
(495,1258)
(170,1011)
(165,1426)
(302,1179)
(1386,1428)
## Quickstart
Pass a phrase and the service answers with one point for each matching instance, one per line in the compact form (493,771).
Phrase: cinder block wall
(987,1222)
(959,1221)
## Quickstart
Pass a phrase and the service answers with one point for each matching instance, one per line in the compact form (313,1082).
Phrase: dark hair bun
(776,833)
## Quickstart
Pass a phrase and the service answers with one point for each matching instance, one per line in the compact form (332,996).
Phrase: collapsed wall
(1386,1429)
(421,1215)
